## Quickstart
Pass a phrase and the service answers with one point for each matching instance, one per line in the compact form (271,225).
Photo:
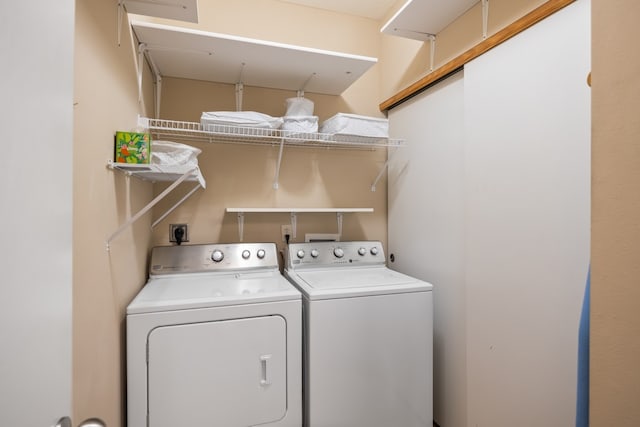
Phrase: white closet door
(490,202)
(228,373)
(527,147)
(426,227)
(36,189)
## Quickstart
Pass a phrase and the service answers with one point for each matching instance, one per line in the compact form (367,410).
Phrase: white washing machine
(368,337)
(214,339)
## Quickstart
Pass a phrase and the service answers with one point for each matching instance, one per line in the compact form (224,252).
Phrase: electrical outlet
(173,228)
(286,229)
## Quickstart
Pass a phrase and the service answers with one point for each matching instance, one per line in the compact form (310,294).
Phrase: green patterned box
(132,147)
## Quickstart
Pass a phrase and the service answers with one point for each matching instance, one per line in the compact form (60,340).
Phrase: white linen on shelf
(353,124)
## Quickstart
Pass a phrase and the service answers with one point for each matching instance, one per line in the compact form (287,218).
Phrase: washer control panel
(318,254)
(212,257)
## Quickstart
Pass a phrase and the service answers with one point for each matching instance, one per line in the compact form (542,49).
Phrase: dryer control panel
(213,257)
(351,254)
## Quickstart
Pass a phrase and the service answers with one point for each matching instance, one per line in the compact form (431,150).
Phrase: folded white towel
(240,118)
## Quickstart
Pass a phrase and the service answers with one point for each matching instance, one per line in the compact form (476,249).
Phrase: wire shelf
(155,173)
(217,133)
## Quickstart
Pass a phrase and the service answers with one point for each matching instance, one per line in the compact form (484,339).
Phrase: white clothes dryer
(368,337)
(214,339)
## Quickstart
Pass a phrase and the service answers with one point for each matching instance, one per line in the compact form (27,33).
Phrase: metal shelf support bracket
(172,208)
(383,169)
(485,18)
(158,94)
(241,226)
(294,225)
(142,54)
(432,51)
(276,178)
(300,92)
(142,47)
(239,94)
(151,204)
(240,88)
(119,24)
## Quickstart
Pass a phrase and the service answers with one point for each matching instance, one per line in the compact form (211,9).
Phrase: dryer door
(225,373)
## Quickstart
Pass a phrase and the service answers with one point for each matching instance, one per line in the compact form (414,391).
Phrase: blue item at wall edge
(582,406)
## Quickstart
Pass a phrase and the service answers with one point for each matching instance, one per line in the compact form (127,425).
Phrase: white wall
(490,203)
(36,108)
(426,227)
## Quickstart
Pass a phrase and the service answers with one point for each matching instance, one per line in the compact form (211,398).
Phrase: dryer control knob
(300,253)
(261,253)
(338,252)
(217,255)
(315,253)
(374,251)
(246,254)
(362,251)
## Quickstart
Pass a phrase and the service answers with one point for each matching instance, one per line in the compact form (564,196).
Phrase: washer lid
(181,292)
(343,282)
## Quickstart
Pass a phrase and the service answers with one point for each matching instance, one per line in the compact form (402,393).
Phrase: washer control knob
(315,253)
(374,251)
(261,253)
(338,252)
(217,255)
(246,254)
(300,253)
(362,251)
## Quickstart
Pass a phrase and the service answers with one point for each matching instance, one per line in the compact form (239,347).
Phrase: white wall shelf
(157,173)
(293,212)
(182,10)
(193,131)
(199,55)
(421,19)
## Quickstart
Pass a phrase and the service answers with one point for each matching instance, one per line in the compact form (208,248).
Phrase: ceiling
(373,9)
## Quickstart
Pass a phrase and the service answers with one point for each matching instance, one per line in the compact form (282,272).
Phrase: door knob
(64,422)
(93,422)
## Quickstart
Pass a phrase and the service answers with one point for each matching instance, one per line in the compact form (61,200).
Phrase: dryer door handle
(265,380)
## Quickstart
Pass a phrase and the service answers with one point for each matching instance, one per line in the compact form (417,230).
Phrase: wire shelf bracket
(140,171)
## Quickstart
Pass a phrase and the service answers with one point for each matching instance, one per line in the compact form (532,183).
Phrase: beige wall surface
(615,318)
(242,176)
(237,176)
(401,62)
(105,100)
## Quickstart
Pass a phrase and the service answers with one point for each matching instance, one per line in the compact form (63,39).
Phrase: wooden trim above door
(530,19)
